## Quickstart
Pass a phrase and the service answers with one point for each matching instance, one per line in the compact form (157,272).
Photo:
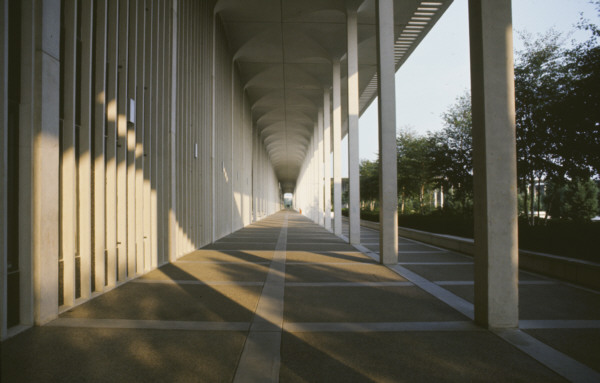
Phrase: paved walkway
(283,299)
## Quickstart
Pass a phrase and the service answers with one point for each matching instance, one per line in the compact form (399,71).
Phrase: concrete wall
(137,146)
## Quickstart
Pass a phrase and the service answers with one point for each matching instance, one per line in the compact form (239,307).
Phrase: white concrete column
(99,144)
(213,151)
(149,74)
(173,225)
(132,69)
(3,166)
(121,151)
(353,114)
(85,151)
(327,156)
(140,208)
(494,162)
(320,168)
(337,150)
(43,99)
(315,173)
(388,189)
(68,192)
(111,146)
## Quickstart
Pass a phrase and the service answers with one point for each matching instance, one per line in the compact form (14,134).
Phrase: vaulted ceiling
(284,50)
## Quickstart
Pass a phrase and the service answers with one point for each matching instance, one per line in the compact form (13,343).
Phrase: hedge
(564,238)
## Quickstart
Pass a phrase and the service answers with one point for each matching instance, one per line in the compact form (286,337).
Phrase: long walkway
(285,300)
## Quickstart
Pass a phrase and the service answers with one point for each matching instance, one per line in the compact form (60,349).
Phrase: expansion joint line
(261,358)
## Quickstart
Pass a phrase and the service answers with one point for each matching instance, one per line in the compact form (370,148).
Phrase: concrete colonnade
(123,137)
(352,119)
(496,271)
(337,147)
(127,140)
(386,86)
(327,156)
(494,163)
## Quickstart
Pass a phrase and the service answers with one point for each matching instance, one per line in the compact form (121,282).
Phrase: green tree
(577,114)
(538,79)
(415,168)
(581,201)
(558,111)
(452,152)
(369,182)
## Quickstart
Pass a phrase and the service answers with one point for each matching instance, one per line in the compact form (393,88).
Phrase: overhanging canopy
(284,50)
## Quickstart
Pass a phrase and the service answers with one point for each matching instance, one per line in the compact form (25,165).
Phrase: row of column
(330,125)
(327,137)
(492,79)
(122,124)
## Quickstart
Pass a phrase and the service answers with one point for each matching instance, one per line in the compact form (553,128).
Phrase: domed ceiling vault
(284,50)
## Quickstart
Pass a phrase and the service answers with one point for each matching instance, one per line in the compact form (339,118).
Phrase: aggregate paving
(53,354)
(318,280)
(406,357)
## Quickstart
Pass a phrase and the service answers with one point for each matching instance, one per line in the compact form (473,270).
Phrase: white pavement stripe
(360,262)
(458,303)
(551,358)
(548,356)
(349,284)
(559,324)
(381,327)
(206,283)
(367,252)
(242,243)
(465,283)
(377,243)
(435,263)
(226,262)
(442,294)
(326,252)
(423,252)
(261,358)
(149,324)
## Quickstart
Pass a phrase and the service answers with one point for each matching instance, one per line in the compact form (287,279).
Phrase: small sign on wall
(131,114)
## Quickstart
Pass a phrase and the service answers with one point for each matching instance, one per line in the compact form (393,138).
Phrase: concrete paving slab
(582,345)
(313,240)
(210,272)
(340,322)
(549,302)
(228,256)
(455,272)
(246,239)
(354,272)
(320,247)
(242,246)
(326,256)
(406,357)
(364,304)
(51,354)
(172,302)
(408,247)
(433,257)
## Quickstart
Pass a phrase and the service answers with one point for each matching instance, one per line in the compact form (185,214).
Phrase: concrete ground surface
(285,300)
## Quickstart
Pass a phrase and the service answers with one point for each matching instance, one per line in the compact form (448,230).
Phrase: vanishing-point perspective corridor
(146,151)
(285,300)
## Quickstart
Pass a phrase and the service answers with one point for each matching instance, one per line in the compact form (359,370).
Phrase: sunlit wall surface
(127,141)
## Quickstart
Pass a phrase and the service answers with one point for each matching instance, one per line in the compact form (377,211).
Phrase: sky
(437,72)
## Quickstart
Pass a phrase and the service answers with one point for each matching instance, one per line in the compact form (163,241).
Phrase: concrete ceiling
(284,50)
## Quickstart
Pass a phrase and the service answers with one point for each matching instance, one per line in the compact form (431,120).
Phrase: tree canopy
(557,99)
